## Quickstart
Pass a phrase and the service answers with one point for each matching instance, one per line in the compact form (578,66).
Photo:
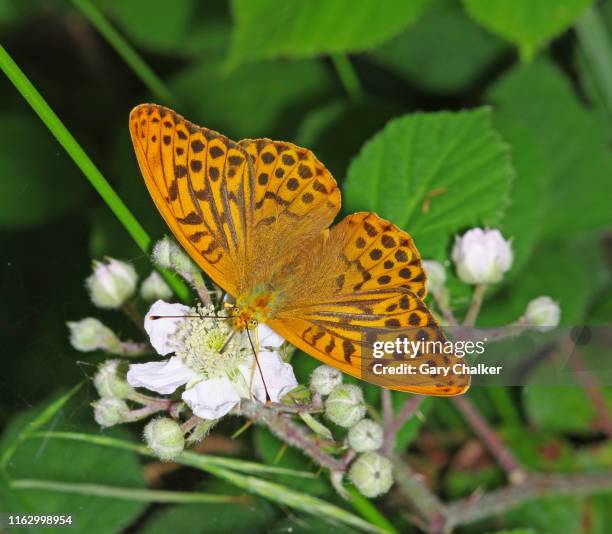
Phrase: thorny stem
(493,442)
(312,407)
(474,309)
(190,424)
(145,411)
(393,425)
(284,428)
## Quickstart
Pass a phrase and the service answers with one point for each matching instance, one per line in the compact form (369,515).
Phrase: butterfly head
(252,309)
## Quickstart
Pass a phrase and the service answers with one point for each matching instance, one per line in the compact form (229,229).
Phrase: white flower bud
(543,313)
(365,436)
(482,256)
(111,283)
(110,380)
(325,378)
(90,334)
(109,412)
(436,275)
(345,405)
(372,474)
(155,288)
(169,255)
(164,437)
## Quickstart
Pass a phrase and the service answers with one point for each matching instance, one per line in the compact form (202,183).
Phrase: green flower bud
(345,405)
(111,283)
(436,275)
(155,288)
(164,437)
(365,436)
(90,334)
(109,412)
(543,313)
(110,380)
(325,378)
(169,255)
(372,474)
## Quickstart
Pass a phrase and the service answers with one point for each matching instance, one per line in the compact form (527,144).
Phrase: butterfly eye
(252,324)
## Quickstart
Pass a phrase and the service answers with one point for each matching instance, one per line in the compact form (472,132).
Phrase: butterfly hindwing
(374,294)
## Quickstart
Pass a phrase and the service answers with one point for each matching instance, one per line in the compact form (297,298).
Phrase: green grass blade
(348,76)
(82,160)
(127,53)
(126,494)
(199,461)
(227,469)
(369,512)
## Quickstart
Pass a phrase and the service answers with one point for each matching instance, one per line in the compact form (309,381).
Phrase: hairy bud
(345,405)
(164,437)
(372,474)
(365,436)
(325,378)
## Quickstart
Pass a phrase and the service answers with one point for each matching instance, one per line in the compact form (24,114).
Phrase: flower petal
(212,398)
(160,329)
(268,338)
(161,377)
(278,375)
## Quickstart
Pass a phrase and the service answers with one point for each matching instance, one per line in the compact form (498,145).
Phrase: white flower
(111,283)
(214,380)
(436,275)
(482,256)
(543,313)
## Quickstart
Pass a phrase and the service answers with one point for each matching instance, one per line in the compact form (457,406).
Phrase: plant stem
(593,37)
(410,407)
(125,50)
(126,494)
(490,438)
(534,487)
(474,309)
(82,160)
(348,76)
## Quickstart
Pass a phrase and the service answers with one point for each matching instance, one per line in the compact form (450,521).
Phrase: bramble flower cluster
(200,369)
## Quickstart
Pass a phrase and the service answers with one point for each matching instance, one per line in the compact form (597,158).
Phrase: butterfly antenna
(156,317)
(268,398)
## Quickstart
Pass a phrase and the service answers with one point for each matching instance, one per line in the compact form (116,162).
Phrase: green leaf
(40,184)
(443,52)
(575,144)
(269,29)
(184,28)
(549,516)
(218,99)
(456,154)
(69,463)
(528,24)
(524,218)
(234,518)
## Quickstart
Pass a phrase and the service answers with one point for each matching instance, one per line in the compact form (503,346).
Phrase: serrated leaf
(269,29)
(528,24)
(575,143)
(457,157)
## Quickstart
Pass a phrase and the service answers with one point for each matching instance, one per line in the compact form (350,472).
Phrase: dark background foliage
(263,68)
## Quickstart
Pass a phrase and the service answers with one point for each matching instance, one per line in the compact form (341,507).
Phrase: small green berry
(345,405)
(325,378)
(365,436)
(372,474)
(165,438)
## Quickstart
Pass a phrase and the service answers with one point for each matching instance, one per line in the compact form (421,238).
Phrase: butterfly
(256,216)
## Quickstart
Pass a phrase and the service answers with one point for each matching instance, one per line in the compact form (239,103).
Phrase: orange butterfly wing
(376,295)
(258,212)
